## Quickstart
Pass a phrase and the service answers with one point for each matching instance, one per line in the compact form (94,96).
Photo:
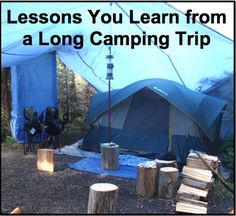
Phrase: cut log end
(103,187)
(148,164)
(169,169)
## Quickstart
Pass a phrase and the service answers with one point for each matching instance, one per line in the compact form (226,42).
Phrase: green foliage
(5,136)
(3,132)
(73,97)
(227,149)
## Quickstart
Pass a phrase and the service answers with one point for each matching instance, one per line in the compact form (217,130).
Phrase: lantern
(110,67)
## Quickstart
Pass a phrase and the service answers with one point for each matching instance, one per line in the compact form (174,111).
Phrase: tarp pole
(109,110)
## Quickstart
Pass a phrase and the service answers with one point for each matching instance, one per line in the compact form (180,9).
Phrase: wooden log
(197,174)
(45,160)
(191,190)
(109,156)
(191,201)
(167,182)
(205,156)
(17,210)
(181,194)
(211,160)
(196,163)
(146,179)
(163,163)
(102,198)
(197,184)
(190,208)
(216,174)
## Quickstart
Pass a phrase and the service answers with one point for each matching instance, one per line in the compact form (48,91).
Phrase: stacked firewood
(196,182)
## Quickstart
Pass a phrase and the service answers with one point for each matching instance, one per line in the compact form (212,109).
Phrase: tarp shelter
(33,84)
(155,116)
(190,63)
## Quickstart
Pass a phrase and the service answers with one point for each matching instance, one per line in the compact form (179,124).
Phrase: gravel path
(66,191)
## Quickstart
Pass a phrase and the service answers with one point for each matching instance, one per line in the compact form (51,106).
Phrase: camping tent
(223,89)
(183,63)
(155,115)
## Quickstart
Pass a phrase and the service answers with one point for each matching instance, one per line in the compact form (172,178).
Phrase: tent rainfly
(155,116)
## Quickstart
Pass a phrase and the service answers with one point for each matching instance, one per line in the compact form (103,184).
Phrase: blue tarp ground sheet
(93,165)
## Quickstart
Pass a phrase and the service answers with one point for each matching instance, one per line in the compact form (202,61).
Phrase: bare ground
(66,191)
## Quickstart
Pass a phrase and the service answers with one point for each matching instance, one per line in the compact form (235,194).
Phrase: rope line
(91,68)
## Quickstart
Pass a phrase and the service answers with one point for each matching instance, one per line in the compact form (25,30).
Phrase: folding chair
(32,128)
(53,127)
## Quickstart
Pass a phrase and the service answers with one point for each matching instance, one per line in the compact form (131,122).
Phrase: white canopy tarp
(130,65)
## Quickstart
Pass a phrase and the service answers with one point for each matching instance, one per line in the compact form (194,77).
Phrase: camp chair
(32,128)
(53,127)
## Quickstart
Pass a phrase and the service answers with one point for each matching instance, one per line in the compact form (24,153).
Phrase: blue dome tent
(155,116)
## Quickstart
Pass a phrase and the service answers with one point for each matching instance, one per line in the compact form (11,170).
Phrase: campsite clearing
(67,190)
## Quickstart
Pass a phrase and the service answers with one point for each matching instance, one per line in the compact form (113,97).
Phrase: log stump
(45,160)
(109,156)
(102,198)
(163,163)
(146,179)
(167,182)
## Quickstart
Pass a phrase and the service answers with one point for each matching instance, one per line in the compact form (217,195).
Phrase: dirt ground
(66,191)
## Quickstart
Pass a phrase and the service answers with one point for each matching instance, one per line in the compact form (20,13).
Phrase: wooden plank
(197,174)
(205,156)
(191,190)
(190,208)
(197,163)
(197,184)
(191,201)
(180,195)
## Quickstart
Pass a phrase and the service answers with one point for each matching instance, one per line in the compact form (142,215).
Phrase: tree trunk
(146,179)
(6,99)
(102,198)
(110,156)
(167,182)
(45,161)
